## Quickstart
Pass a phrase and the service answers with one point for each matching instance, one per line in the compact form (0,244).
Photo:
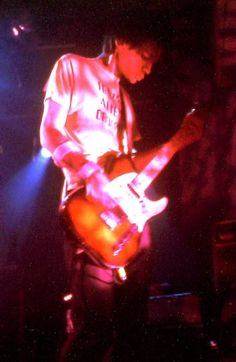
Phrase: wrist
(175,143)
(88,169)
(169,148)
(60,152)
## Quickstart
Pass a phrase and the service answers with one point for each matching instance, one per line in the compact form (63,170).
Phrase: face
(134,63)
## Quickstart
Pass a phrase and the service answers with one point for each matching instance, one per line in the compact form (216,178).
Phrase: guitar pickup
(111,219)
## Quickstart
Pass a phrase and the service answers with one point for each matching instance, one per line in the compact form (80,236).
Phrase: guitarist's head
(135,47)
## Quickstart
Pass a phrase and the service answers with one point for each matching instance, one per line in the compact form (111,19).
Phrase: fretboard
(141,182)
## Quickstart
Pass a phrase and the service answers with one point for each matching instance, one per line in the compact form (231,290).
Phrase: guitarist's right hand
(94,189)
(91,173)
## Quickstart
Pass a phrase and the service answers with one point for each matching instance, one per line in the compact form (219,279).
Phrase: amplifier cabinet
(224,255)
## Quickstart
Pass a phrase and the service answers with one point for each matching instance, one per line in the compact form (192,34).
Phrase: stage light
(45,153)
(18,29)
(24,28)
(15,31)
(68,297)
(39,153)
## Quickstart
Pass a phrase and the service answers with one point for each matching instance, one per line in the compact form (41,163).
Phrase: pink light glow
(68,297)
(122,273)
(15,31)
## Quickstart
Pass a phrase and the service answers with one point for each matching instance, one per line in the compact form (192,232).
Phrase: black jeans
(109,316)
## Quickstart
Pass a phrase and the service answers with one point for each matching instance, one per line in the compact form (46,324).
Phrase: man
(88,123)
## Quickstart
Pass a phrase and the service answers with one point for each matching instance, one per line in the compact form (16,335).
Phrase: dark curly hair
(137,29)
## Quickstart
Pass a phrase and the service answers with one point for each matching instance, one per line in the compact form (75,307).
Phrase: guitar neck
(155,161)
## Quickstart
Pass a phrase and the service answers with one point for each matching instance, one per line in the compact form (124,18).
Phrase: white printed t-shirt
(91,95)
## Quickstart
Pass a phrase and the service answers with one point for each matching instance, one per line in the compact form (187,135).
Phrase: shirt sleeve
(60,84)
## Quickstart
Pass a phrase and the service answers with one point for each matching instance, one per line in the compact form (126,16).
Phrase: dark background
(198,181)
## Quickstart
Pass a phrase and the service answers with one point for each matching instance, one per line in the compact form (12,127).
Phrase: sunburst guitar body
(112,236)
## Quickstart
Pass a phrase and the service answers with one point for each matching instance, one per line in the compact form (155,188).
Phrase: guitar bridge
(118,247)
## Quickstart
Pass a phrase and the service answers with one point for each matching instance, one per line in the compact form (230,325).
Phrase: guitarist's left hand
(191,130)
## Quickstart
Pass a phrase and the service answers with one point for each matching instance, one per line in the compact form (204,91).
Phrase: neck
(110,61)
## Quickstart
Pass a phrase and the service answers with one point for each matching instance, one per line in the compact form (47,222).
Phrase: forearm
(191,130)
(65,152)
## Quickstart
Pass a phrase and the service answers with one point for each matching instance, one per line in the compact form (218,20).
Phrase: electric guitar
(112,236)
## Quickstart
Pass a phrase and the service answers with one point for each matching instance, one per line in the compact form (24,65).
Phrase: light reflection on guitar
(112,236)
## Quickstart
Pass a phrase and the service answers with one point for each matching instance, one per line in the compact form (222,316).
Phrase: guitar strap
(125,125)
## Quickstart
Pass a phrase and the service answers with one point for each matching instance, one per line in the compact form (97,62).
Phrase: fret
(141,182)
